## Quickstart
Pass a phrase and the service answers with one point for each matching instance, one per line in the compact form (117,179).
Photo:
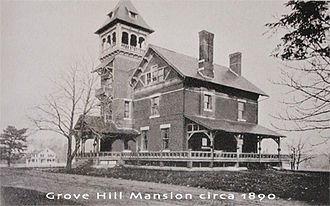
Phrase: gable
(153,70)
(187,67)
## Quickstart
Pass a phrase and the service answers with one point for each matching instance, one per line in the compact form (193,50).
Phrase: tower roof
(125,13)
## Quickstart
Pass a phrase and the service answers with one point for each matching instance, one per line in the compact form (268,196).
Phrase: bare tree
(299,154)
(304,49)
(72,99)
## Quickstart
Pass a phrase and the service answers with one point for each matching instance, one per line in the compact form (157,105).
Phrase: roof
(187,66)
(121,14)
(103,64)
(97,124)
(233,126)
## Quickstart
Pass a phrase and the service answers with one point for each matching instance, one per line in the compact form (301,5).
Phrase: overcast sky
(40,39)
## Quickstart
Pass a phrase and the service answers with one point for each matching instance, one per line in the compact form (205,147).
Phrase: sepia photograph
(164,102)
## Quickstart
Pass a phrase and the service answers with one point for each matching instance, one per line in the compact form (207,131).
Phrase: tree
(299,154)
(12,143)
(304,49)
(72,99)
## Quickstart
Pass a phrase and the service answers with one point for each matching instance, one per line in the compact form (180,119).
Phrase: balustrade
(185,155)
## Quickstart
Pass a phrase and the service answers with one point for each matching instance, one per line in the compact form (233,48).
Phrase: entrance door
(199,142)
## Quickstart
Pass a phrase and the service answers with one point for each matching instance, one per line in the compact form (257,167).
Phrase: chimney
(235,62)
(205,63)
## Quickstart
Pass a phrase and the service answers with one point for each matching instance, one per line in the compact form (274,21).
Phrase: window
(126,147)
(166,137)
(124,38)
(141,42)
(107,117)
(127,109)
(114,38)
(103,43)
(109,39)
(133,40)
(155,106)
(204,142)
(132,15)
(240,110)
(144,140)
(148,78)
(155,75)
(207,102)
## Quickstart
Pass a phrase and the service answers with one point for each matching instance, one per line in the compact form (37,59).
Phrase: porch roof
(233,126)
(97,124)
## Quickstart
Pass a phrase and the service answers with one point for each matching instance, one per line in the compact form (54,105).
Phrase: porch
(185,158)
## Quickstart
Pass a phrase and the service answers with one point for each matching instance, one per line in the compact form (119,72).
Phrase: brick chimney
(205,63)
(235,62)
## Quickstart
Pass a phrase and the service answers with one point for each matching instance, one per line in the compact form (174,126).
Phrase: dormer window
(133,15)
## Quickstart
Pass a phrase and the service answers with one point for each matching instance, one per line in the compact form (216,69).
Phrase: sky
(41,39)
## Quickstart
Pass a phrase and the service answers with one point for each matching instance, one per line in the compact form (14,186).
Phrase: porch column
(259,147)
(279,146)
(279,150)
(212,135)
(239,140)
(80,145)
(83,145)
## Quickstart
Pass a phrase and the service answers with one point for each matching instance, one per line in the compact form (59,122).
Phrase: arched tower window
(114,38)
(109,39)
(124,38)
(103,43)
(141,42)
(133,40)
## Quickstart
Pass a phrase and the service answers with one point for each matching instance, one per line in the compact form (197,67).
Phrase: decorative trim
(158,94)
(165,126)
(145,128)
(154,116)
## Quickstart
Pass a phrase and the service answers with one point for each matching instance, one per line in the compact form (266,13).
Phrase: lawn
(311,187)
(20,196)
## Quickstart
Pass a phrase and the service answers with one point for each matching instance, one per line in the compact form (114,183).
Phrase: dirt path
(64,183)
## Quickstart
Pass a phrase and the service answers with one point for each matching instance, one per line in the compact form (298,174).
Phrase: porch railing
(184,155)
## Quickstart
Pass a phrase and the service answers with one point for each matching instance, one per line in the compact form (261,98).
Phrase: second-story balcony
(124,47)
(103,92)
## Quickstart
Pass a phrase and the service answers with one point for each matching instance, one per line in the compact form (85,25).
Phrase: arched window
(141,42)
(103,43)
(109,39)
(124,38)
(133,40)
(114,38)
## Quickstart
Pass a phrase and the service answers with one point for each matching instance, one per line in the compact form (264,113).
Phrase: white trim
(208,93)
(223,95)
(165,126)
(158,94)
(154,116)
(242,100)
(241,120)
(154,95)
(145,128)
(165,150)
(202,60)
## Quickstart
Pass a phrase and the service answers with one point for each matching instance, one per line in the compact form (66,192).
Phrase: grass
(20,196)
(311,187)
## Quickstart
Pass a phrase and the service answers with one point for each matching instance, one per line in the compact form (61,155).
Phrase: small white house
(41,158)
